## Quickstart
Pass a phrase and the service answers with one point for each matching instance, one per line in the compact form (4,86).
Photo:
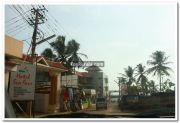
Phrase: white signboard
(70,81)
(22,83)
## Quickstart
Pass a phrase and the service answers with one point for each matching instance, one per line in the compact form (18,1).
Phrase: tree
(158,63)
(142,78)
(133,90)
(67,54)
(121,81)
(59,46)
(152,88)
(48,53)
(74,59)
(166,86)
(62,55)
(129,76)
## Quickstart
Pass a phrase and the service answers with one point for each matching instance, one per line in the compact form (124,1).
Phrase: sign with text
(22,82)
(69,81)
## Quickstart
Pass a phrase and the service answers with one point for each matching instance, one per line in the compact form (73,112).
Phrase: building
(48,74)
(13,50)
(93,83)
(98,80)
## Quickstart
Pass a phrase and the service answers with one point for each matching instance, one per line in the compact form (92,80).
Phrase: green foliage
(142,79)
(133,90)
(67,54)
(166,86)
(48,53)
(152,88)
(158,62)
(128,77)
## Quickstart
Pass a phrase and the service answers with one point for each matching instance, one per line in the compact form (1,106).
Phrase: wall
(105,84)
(97,82)
(8,69)
(58,91)
(13,47)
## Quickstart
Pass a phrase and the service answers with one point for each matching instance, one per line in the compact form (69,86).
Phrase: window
(42,77)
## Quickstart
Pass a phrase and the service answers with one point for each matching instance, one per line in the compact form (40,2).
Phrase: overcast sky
(120,35)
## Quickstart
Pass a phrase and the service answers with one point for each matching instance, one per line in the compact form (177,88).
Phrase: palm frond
(150,62)
(138,79)
(123,75)
(83,55)
(167,63)
(150,70)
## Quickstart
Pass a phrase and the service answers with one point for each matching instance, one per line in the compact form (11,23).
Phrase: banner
(69,81)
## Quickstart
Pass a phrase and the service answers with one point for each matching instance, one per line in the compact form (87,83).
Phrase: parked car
(101,103)
(128,101)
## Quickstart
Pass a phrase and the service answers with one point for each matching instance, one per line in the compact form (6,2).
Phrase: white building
(98,80)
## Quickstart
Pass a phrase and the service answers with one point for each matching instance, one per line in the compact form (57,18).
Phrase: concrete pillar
(53,92)
(58,92)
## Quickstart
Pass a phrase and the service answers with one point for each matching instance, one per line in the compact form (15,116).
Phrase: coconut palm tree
(152,88)
(158,63)
(129,76)
(166,86)
(142,78)
(62,54)
(59,46)
(73,54)
(67,54)
(122,81)
(48,53)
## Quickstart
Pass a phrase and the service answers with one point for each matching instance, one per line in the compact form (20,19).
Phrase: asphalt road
(112,111)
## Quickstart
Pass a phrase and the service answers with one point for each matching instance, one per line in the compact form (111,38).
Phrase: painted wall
(13,47)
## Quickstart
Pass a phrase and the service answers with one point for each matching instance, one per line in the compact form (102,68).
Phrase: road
(112,111)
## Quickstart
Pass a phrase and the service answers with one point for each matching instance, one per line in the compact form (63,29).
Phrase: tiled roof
(85,74)
(50,63)
(56,64)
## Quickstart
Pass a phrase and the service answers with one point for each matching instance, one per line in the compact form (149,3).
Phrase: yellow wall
(13,47)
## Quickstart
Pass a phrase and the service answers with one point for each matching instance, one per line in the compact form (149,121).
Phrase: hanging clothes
(71,97)
(66,96)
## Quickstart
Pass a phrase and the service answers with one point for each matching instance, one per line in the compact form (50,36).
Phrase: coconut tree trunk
(160,81)
(74,70)
(119,92)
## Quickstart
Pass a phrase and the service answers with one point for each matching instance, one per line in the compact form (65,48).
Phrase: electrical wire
(16,29)
(19,32)
(12,28)
(15,17)
(59,24)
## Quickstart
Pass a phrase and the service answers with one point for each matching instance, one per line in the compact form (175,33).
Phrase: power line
(16,29)
(27,41)
(13,7)
(20,25)
(60,25)
(12,23)
(19,32)
(15,17)
(21,14)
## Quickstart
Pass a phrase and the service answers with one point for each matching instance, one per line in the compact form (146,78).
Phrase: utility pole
(34,21)
(38,19)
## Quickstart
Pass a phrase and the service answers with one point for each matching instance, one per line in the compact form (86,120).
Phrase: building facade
(48,74)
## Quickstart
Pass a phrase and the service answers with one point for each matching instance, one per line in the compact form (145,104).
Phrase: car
(101,103)
(128,101)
